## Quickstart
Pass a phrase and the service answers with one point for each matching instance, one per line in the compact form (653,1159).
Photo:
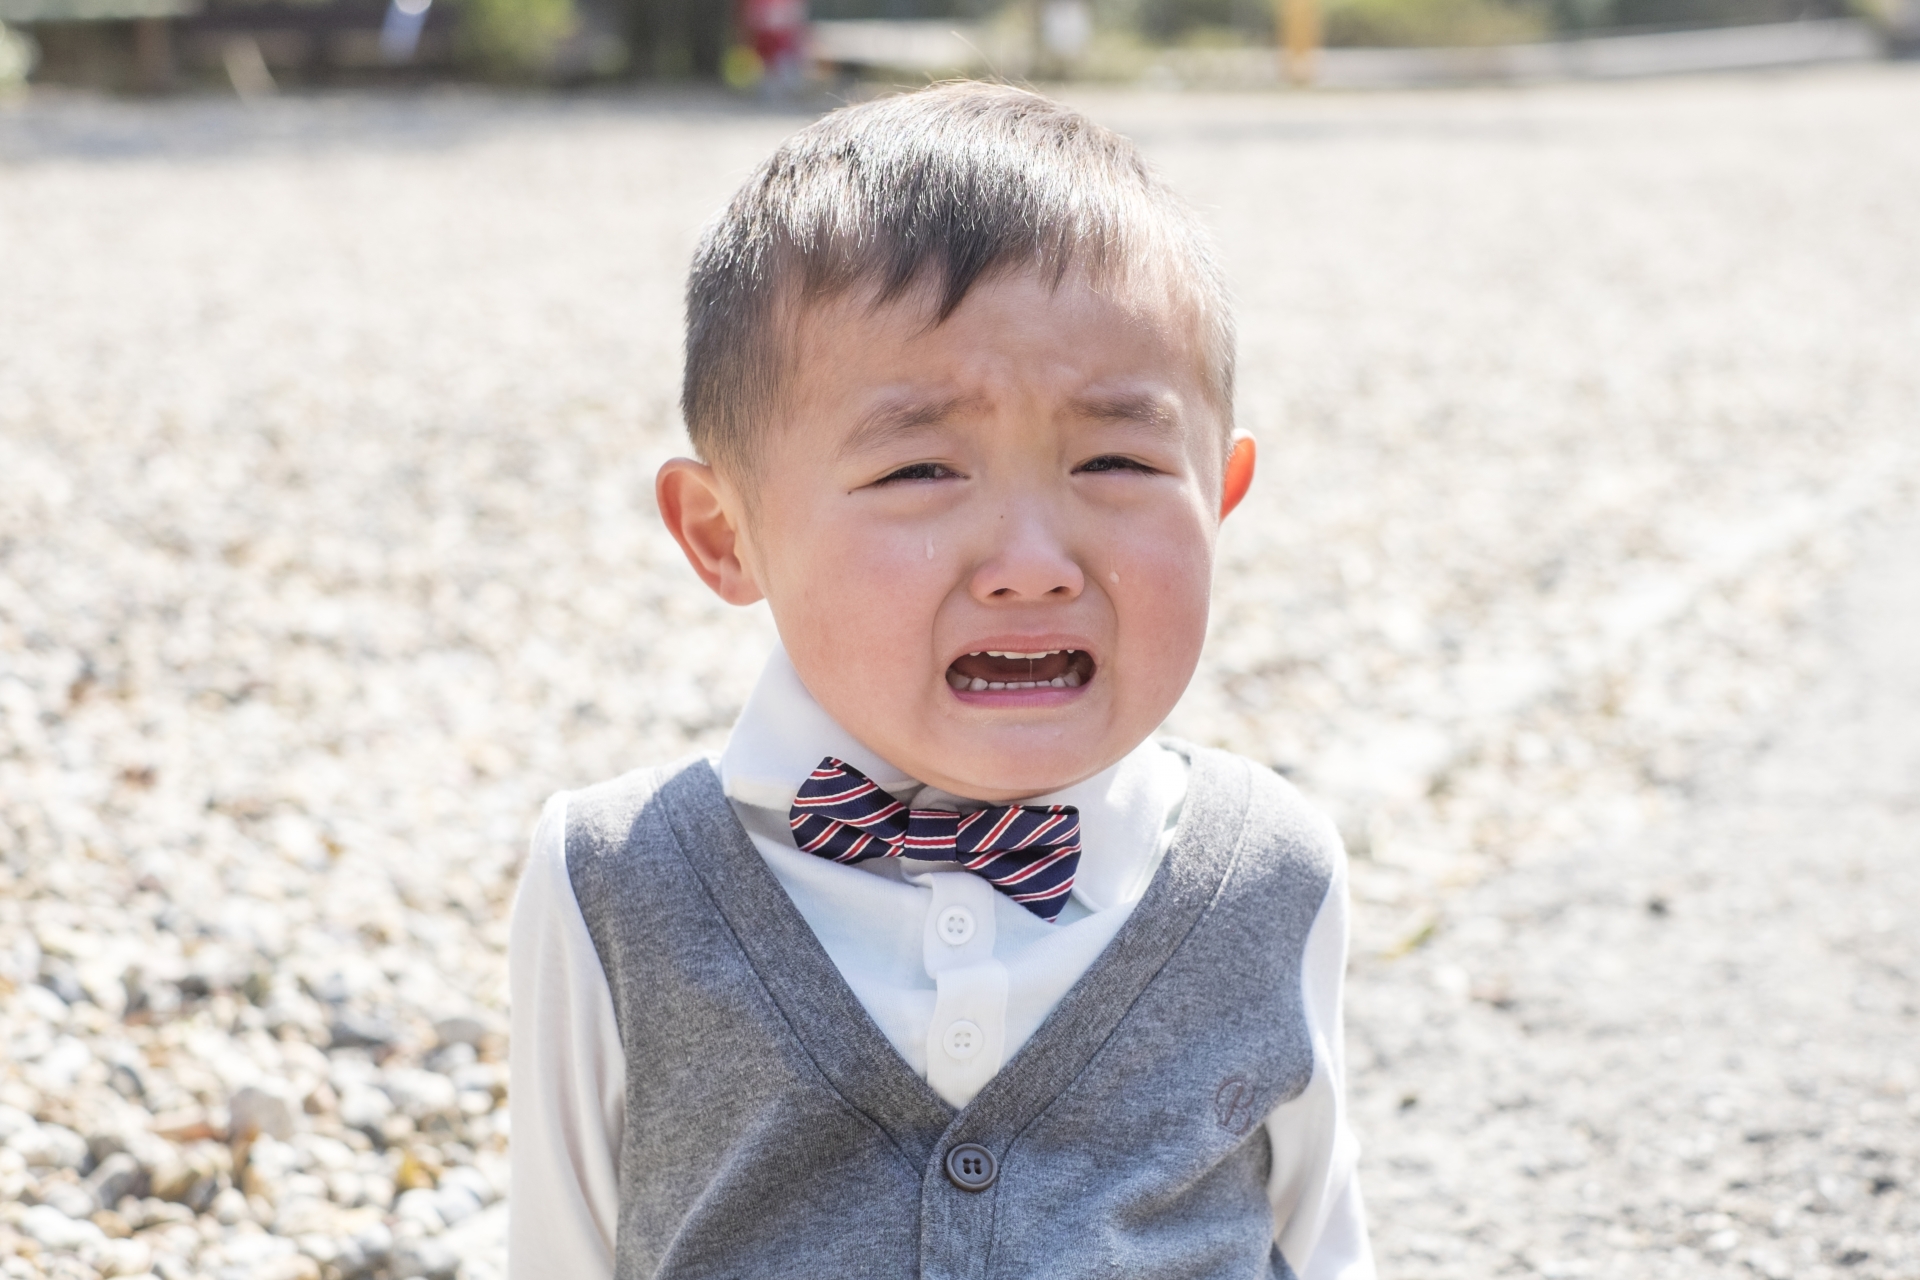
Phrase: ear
(1239,473)
(706,526)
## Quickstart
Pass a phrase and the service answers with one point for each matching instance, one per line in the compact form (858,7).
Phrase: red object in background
(776,29)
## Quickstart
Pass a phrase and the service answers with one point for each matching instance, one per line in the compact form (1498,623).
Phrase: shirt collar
(1125,809)
(782,735)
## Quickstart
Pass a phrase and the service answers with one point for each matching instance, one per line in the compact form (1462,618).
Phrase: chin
(998,772)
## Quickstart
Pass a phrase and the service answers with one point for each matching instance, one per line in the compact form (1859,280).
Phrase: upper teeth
(1030,657)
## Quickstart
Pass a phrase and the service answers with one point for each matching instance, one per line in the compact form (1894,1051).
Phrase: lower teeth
(1071,680)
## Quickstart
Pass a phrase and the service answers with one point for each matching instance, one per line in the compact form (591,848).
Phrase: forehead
(1125,350)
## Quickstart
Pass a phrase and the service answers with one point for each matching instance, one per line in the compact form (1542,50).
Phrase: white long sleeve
(568,1102)
(1319,1219)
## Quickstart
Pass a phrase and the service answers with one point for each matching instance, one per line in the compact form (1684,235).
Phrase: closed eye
(1116,462)
(918,471)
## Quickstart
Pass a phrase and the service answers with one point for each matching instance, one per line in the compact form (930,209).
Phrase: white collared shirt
(955,974)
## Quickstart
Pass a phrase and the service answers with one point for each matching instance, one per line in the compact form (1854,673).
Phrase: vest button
(971,1167)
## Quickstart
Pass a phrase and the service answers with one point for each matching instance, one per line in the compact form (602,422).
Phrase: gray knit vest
(772,1131)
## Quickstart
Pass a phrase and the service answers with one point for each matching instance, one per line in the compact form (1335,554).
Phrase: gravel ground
(326,550)
(1691,1054)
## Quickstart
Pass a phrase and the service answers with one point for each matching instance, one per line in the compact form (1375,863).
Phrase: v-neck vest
(772,1132)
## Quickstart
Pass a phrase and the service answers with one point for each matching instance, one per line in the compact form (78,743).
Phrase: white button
(956,926)
(963,1039)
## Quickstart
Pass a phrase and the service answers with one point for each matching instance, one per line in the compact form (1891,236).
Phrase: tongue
(978,666)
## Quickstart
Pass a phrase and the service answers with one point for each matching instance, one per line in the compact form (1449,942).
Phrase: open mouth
(1000,669)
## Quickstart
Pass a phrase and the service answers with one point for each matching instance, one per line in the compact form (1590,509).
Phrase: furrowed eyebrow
(900,418)
(1147,411)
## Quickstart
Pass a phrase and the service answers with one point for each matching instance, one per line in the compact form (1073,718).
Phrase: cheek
(861,598)
(1160,578)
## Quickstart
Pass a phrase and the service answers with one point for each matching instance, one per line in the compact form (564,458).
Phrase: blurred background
(339,342)
(255,46)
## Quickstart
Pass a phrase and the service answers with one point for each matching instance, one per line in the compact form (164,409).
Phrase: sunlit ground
(327,429)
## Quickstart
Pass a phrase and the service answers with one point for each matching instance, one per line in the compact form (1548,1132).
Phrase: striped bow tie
(1028,852)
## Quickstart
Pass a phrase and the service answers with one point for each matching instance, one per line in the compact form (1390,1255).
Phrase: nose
(1029,563)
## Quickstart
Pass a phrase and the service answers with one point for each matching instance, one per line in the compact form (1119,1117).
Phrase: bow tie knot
(1028,852)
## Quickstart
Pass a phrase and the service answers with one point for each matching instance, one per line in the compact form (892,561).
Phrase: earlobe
(696,513)
(1239,475)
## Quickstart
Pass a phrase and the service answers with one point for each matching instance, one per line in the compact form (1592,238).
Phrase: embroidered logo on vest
(1233,1105)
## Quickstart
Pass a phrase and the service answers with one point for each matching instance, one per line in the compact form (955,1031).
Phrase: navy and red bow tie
(1028,852)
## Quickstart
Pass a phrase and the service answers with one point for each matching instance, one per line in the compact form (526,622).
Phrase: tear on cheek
(1060,669)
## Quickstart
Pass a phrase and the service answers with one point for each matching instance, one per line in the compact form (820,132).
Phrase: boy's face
(987,543)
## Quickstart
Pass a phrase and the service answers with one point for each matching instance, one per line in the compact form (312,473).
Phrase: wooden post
(153,54)
(1300,26)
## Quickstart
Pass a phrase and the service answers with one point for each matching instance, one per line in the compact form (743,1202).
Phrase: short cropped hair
(936,190)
